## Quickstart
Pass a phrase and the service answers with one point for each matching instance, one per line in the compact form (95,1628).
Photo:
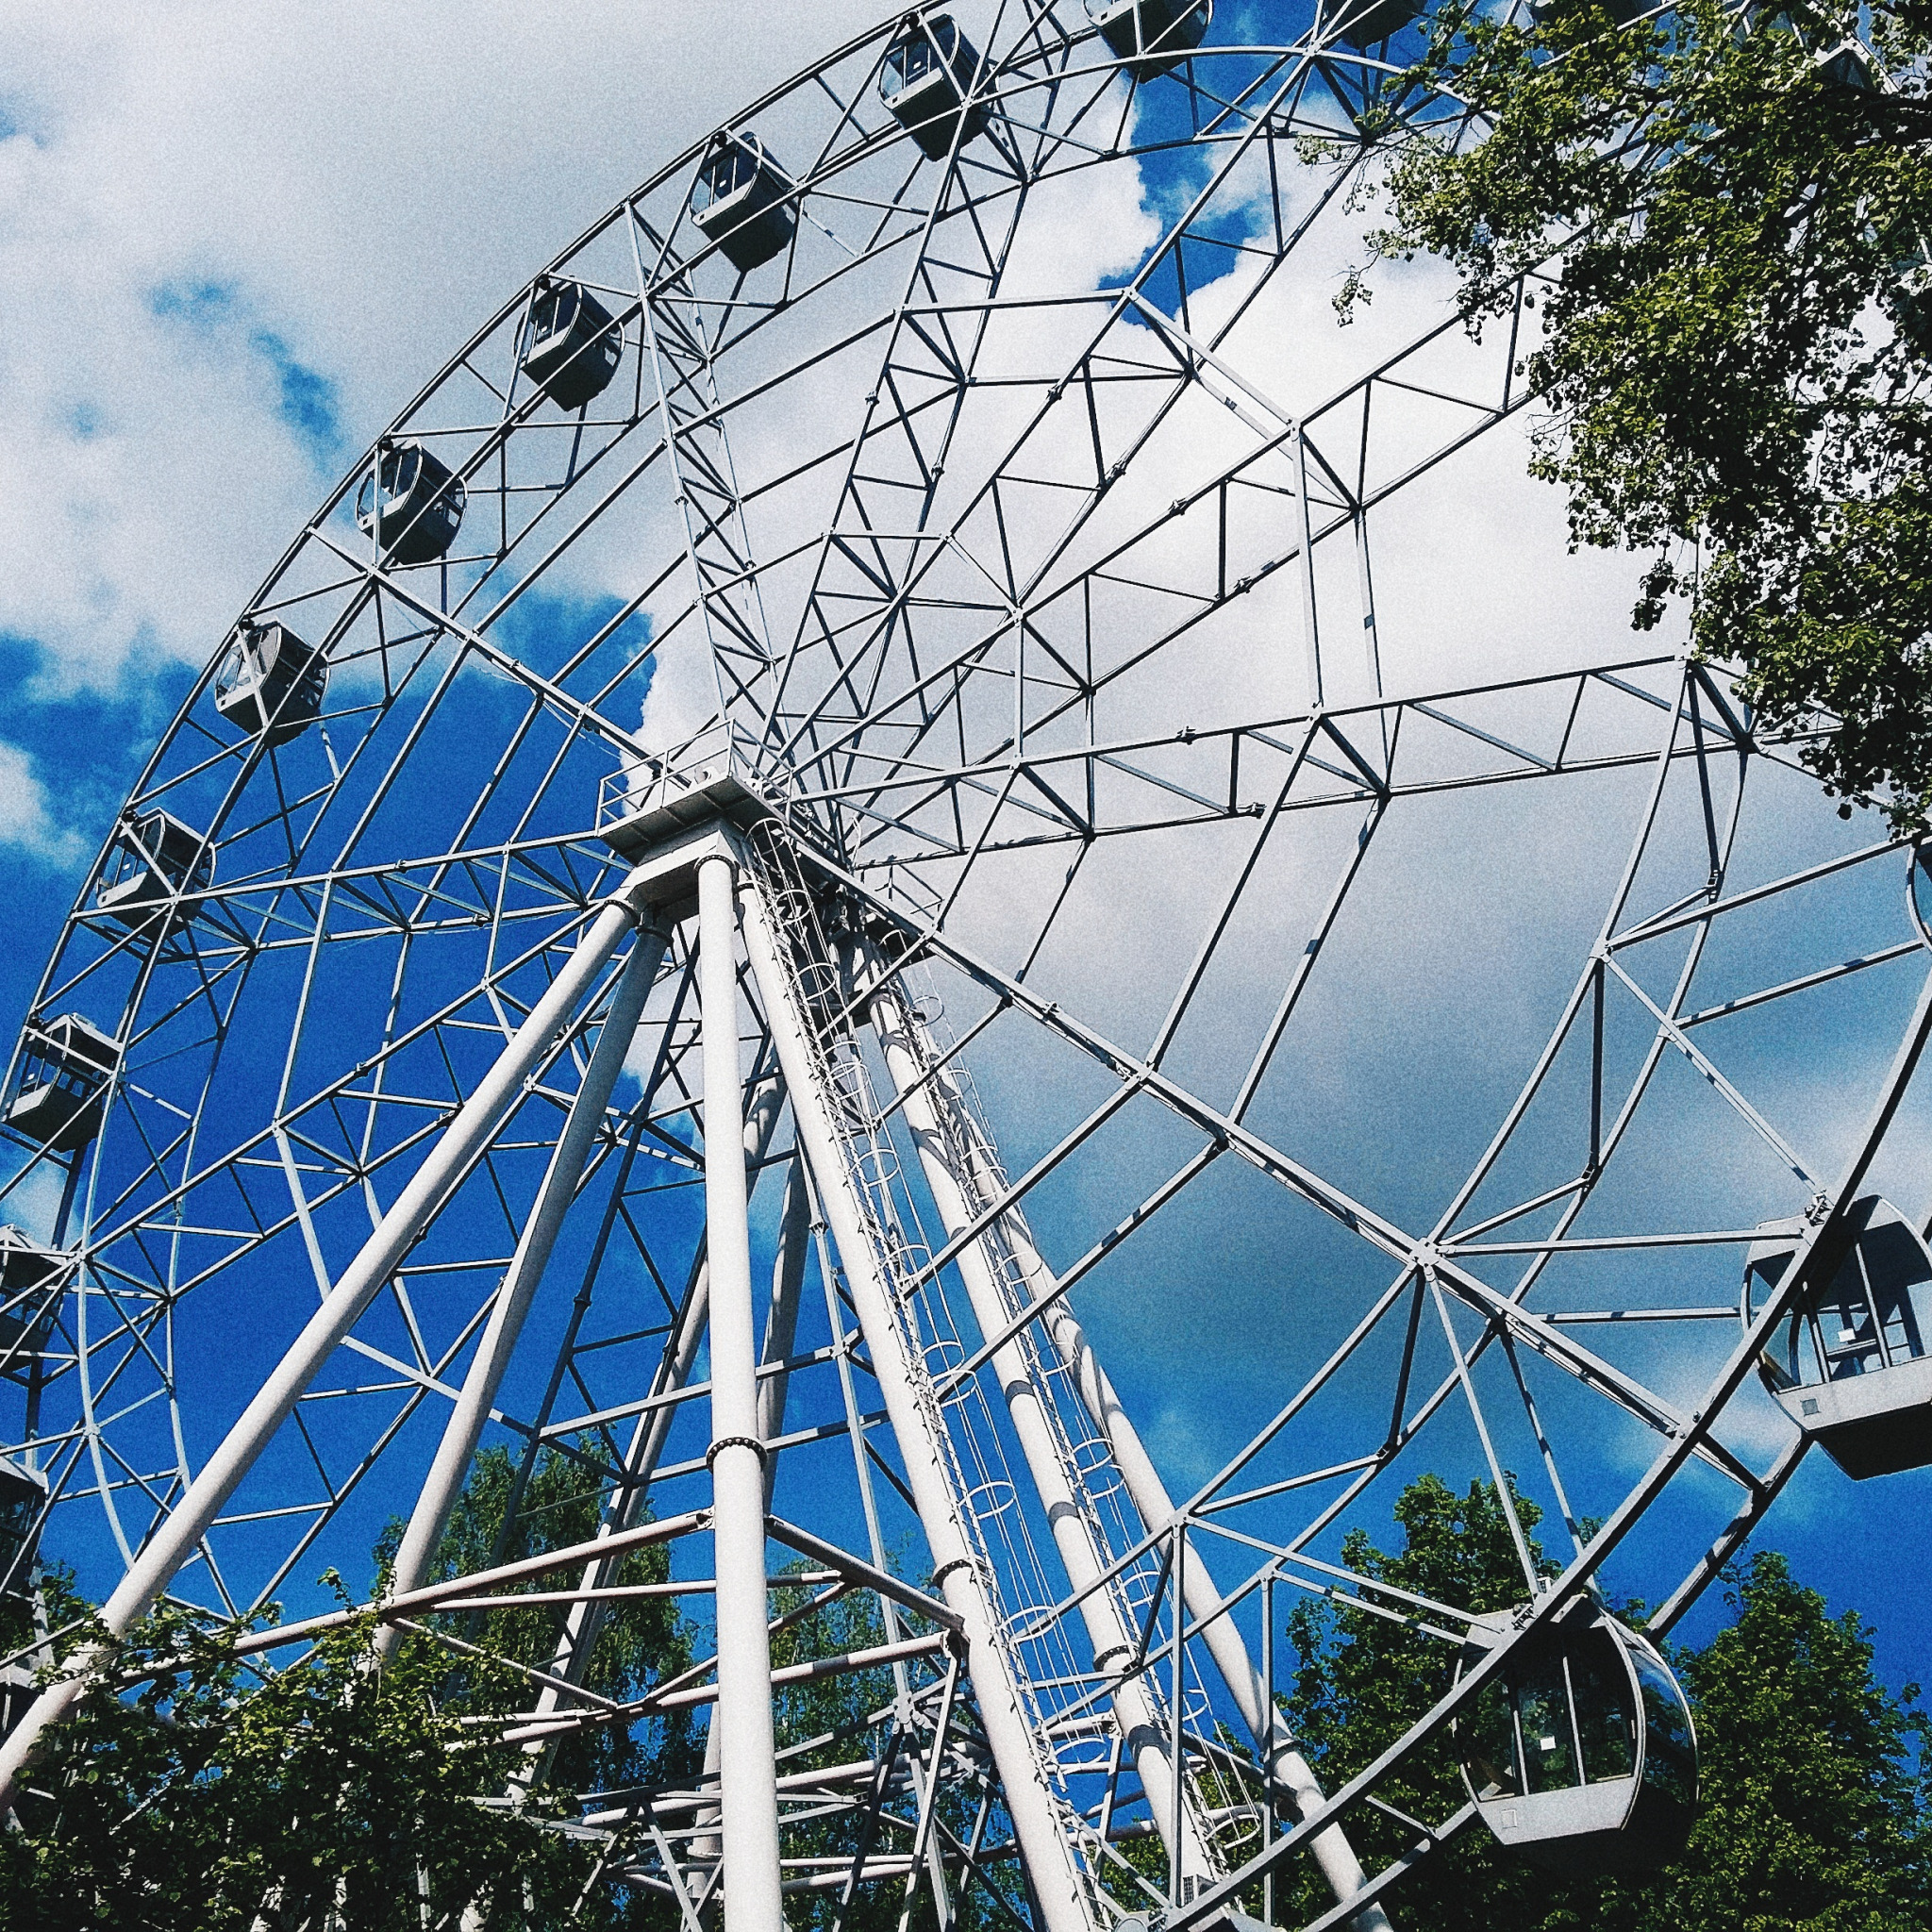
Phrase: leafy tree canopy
(328,1792)
(1734,363)
(1815,1809)
(195,1789)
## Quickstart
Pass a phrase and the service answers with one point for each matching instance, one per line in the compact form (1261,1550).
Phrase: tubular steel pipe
(1283,1764)
(579,1635)
(444,1482)
(781,1326)
(1114,1641)
(747,1774)
(476,1120)
(1038,1824)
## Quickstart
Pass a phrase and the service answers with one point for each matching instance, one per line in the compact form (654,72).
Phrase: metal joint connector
(734,1442)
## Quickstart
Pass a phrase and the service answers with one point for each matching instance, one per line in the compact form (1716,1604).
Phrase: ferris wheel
(837,790)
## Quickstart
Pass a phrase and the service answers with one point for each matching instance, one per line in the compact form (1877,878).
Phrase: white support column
(747,1774)
(579,1635)
(1274,1742)
(461,1434)
(1142,1728)
(181,1530)
(1038,1827)
(781,1327)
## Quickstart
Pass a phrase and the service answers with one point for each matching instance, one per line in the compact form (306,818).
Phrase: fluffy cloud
(234,240)
(26,820)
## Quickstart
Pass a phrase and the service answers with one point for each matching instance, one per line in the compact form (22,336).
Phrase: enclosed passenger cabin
(570,345)
(1849,1363)
(22,1496)
(1151,36)
(411,503)
(64,1070)
(30,1281)
(270,682)
(156,872)
(738,201)
(927,77)
(1581,1755)
(1367,24)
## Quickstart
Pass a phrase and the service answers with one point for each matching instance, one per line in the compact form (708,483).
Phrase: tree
(1363,1679)
(185,1793)
(1814,1808)
(1734,363)
(190,1789)
(1814,1813)
(643,1638)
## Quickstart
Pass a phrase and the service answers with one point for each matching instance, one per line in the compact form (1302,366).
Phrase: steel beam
(942,1155)
(477,1120)
(781,1326)
(621,1506)
(447,1474)
(1040,1823)
(939,1101)
(747,1789)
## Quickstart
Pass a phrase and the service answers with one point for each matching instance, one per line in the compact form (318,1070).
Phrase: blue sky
(207,313)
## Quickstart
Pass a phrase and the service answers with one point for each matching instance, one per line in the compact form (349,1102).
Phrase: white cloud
(26,820)
(216,220)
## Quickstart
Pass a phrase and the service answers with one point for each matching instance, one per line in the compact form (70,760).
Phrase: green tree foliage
(1362,1679)
(1815,1813)
(848,1719)
(1815,1809)
(193,1789)
(328,1794)
(1734,364)
(643,1640)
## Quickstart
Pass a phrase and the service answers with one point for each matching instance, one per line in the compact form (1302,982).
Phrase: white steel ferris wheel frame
(912,691)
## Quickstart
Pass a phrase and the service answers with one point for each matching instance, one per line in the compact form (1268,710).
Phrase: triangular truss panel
(809,912)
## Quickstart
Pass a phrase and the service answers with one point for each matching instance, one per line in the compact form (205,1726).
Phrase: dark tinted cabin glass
(1605,1721)
(556,310)
(1487,1735)
(1542,1708)
(1846,1331)
(1670,1752)
(1898,1277)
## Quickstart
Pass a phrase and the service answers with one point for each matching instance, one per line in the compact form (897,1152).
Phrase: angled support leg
(941,1102)
(1040,1826)
(945,1158)
(176,1537)
(461,1434)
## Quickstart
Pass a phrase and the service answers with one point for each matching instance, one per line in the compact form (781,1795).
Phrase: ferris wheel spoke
(927,530)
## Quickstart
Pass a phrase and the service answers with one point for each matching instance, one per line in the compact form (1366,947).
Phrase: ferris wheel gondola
(934,769)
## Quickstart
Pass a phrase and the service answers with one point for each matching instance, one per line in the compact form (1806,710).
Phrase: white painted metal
(1274,1743)
(747,1788)
(623,1505)
(936,747)
(1143,1725)
(1038,1822)
(781,1324)
(444,1482)
(462,1141)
